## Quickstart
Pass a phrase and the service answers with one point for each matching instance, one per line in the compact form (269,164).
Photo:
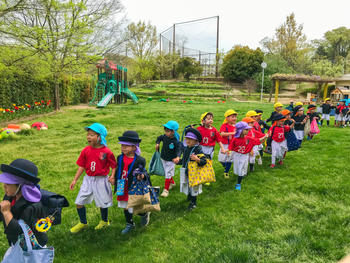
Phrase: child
(227,131)
(127,162)
(300,119)
(261,123)
(210,135)
(289,121)
(170,153)
(339,118)
(278,142)
(278,108)
(191,152)
(253,133)
(96,160)
(312,114)
(241,146)
(326,110)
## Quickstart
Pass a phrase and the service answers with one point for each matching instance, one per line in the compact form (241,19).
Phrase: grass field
(299,212)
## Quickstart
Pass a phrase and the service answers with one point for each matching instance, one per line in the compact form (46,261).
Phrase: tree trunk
(57,93)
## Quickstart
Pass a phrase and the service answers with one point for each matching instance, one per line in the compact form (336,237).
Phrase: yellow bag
(200,174)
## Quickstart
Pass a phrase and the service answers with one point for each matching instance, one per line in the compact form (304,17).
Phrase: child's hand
(72,184)
(194,157)
(140,177)
(5,206)
(157,147)
(176,160)
(111,179)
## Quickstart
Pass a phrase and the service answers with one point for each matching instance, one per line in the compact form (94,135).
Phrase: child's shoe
(78,227)
(227,176)
(280,162)
(128,228)
(102,224)
(145,219)
(272,166)
(207,184)
(165,193)
(191,206)
(171,186)
(238,187)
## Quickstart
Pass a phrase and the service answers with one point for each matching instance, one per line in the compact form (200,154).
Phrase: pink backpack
(314,127)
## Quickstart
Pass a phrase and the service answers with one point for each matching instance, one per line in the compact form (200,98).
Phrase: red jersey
(243,145)
(209,136)
(227,128)
(97,161)
(278,133)
(257,126)
(126,162)
(255,133)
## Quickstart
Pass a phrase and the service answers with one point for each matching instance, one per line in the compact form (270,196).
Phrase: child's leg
(172,180)
(167,184)
(228,167)
(104,214)
(128,217)
(82,214)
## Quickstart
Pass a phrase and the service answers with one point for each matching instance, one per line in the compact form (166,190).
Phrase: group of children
(241,145)
(342,113)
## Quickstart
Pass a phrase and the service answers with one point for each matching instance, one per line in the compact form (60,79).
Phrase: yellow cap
(327,99)
(228,113)
(203,115)
(278,104)
(299,103)
(251,113)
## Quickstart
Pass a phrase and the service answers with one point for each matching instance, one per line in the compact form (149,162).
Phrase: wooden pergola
(322,82)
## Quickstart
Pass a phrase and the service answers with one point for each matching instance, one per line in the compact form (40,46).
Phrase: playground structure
(112,84)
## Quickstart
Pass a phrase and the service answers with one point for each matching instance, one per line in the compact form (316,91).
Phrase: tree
(275,64)
(164,64)
(241,63)
(324,67)
(141,39)
(187,67)
(335,45)
(290,43)
(61,32)
(7,6)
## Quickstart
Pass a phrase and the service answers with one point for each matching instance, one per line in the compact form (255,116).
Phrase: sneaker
(272,166)
(191,206)
(165,193)
(145,219)
(128,228)
(78,227)
(227,176)
(280,162)
(238,187)
(102,224)
(172,186)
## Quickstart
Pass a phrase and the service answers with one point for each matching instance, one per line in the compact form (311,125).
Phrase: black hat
(258,111)
(311,106)
(130,136)
(22,168)
(196,132)
(278,117)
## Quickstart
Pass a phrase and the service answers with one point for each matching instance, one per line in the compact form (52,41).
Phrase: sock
(82,215)
(300,142)
(273,160)
(194,200)
(167,184)
(172,180)
(251,167)
(327,123)
(239,179)
(321,122)
(284,155)
(104,214)
(128,217)
(223,164)
(227,167)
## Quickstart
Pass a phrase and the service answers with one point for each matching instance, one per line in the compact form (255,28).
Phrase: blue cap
(173,125)
(101,130)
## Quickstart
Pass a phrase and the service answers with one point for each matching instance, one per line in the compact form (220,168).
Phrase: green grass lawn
(299,212)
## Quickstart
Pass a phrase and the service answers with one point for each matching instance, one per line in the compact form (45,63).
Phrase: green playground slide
(105,100)
(131,95)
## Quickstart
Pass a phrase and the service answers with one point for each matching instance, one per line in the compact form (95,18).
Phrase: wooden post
(325,91)
(277,84)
